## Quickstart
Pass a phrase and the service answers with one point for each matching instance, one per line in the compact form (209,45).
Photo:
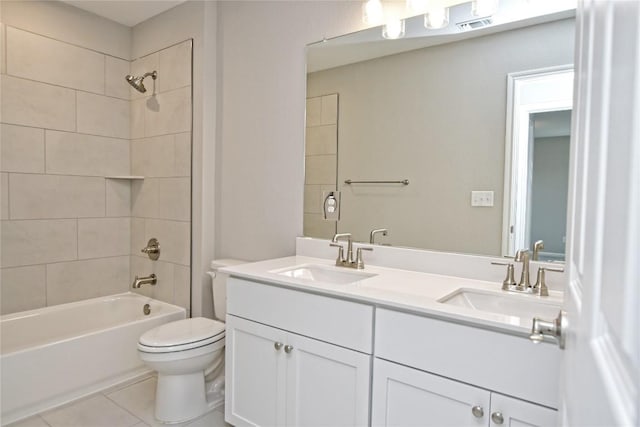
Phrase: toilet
(188,356)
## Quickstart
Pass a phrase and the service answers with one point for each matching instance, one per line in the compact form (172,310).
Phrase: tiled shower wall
(161,152)
(67,231)
(321,162)
(65,126)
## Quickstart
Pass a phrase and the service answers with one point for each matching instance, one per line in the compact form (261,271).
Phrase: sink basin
(524,306)
(324,274)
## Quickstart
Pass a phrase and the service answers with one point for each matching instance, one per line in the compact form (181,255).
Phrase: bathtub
(56,354)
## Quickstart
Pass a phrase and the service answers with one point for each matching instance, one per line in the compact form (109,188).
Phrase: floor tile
(138,399)
(95,411)
(212,419)
(34,421)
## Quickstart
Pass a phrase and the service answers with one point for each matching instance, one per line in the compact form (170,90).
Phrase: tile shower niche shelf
(132,177)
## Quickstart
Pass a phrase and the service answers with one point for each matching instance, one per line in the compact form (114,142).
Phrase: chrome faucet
(341,260)
(372,235)
(148,280)
(523,256)
(537,247)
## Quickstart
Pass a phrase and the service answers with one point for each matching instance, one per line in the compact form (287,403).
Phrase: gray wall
(549,187)
(435,116)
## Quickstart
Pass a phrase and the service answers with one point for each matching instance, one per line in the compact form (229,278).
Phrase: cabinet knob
(288,348)
(497,417)
(477,411)
(277,345)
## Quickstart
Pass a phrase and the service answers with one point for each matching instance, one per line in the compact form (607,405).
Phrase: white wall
(195,20)
(262,95)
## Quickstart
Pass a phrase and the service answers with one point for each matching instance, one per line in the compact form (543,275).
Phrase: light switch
(482,198)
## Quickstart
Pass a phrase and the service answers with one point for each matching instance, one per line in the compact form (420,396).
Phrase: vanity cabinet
(404,396)
(277,376)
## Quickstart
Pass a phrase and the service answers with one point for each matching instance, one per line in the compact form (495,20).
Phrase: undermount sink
(324,274)
(500,302)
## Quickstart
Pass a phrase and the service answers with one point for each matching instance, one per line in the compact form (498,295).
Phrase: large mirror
(425,122)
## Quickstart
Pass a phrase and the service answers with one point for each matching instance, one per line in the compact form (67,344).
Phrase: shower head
(136,82)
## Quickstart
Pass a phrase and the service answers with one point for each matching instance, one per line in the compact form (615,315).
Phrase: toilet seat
(182,335)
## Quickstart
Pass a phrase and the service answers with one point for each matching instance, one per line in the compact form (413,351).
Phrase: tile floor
(129,405)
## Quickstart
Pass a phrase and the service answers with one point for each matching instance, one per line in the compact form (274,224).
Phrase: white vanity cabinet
(429,372)
(276,375)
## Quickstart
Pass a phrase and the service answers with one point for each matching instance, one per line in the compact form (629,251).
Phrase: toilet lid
(182,335)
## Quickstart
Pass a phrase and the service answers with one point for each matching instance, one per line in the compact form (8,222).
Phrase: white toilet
(188,355)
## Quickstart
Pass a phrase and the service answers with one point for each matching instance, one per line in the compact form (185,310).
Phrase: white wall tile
(55,196)
(168,112)
(144,198)
(5,195)
(22,149)
(321,140)
(174,237)
(183,154)
(29,103)
(118,197)
(320,169)
(164,271)
(38,242)
(103,237)
(87,155)
(103,115)
(138,240)
(78,280)
(141,66)
(314,111)
(23,288)
(182,286)
(35,57)
(152,157)
(174,198)
(329,115)
(137,118)
(116,70)
(174,69)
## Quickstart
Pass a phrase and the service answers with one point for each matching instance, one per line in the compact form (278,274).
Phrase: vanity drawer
(344,323)
(500,362)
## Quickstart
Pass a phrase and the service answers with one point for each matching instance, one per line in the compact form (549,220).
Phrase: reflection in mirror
(434,115)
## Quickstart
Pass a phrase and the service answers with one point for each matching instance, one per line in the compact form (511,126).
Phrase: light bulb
(372,12)
(393,29)
(437,17)
(484,7)
(417,6)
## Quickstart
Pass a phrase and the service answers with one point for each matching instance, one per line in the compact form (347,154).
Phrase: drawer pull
(477,411)
(497,418)
(288,348)
(277,345)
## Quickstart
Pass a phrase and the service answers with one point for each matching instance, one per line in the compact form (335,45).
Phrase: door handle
(288,348)
(556,328)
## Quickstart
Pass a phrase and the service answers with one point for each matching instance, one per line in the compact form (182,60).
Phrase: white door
(408,397)
(327,385)
(601,363)
(255,374)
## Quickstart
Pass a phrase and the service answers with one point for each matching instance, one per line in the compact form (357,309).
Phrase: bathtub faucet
(149,280)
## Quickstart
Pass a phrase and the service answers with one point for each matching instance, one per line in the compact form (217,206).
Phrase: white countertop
(404,290)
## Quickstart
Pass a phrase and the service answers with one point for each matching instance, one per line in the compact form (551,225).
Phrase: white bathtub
(52,355)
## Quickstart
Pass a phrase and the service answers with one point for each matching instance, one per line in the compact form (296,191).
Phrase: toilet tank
(219,286)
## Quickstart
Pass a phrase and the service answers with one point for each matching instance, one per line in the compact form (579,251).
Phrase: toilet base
(181,398)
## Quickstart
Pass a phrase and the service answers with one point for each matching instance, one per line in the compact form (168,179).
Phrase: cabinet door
(507,411)
(255,374)
(406,397)
(327,385)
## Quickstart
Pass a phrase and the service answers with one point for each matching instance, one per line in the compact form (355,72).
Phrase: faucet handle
(340,259)
(540,288)
(359,261)
(509,282)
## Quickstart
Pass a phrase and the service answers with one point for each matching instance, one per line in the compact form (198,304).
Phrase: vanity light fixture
(436,14)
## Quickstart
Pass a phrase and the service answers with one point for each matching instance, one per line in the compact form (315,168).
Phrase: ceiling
(126,12)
